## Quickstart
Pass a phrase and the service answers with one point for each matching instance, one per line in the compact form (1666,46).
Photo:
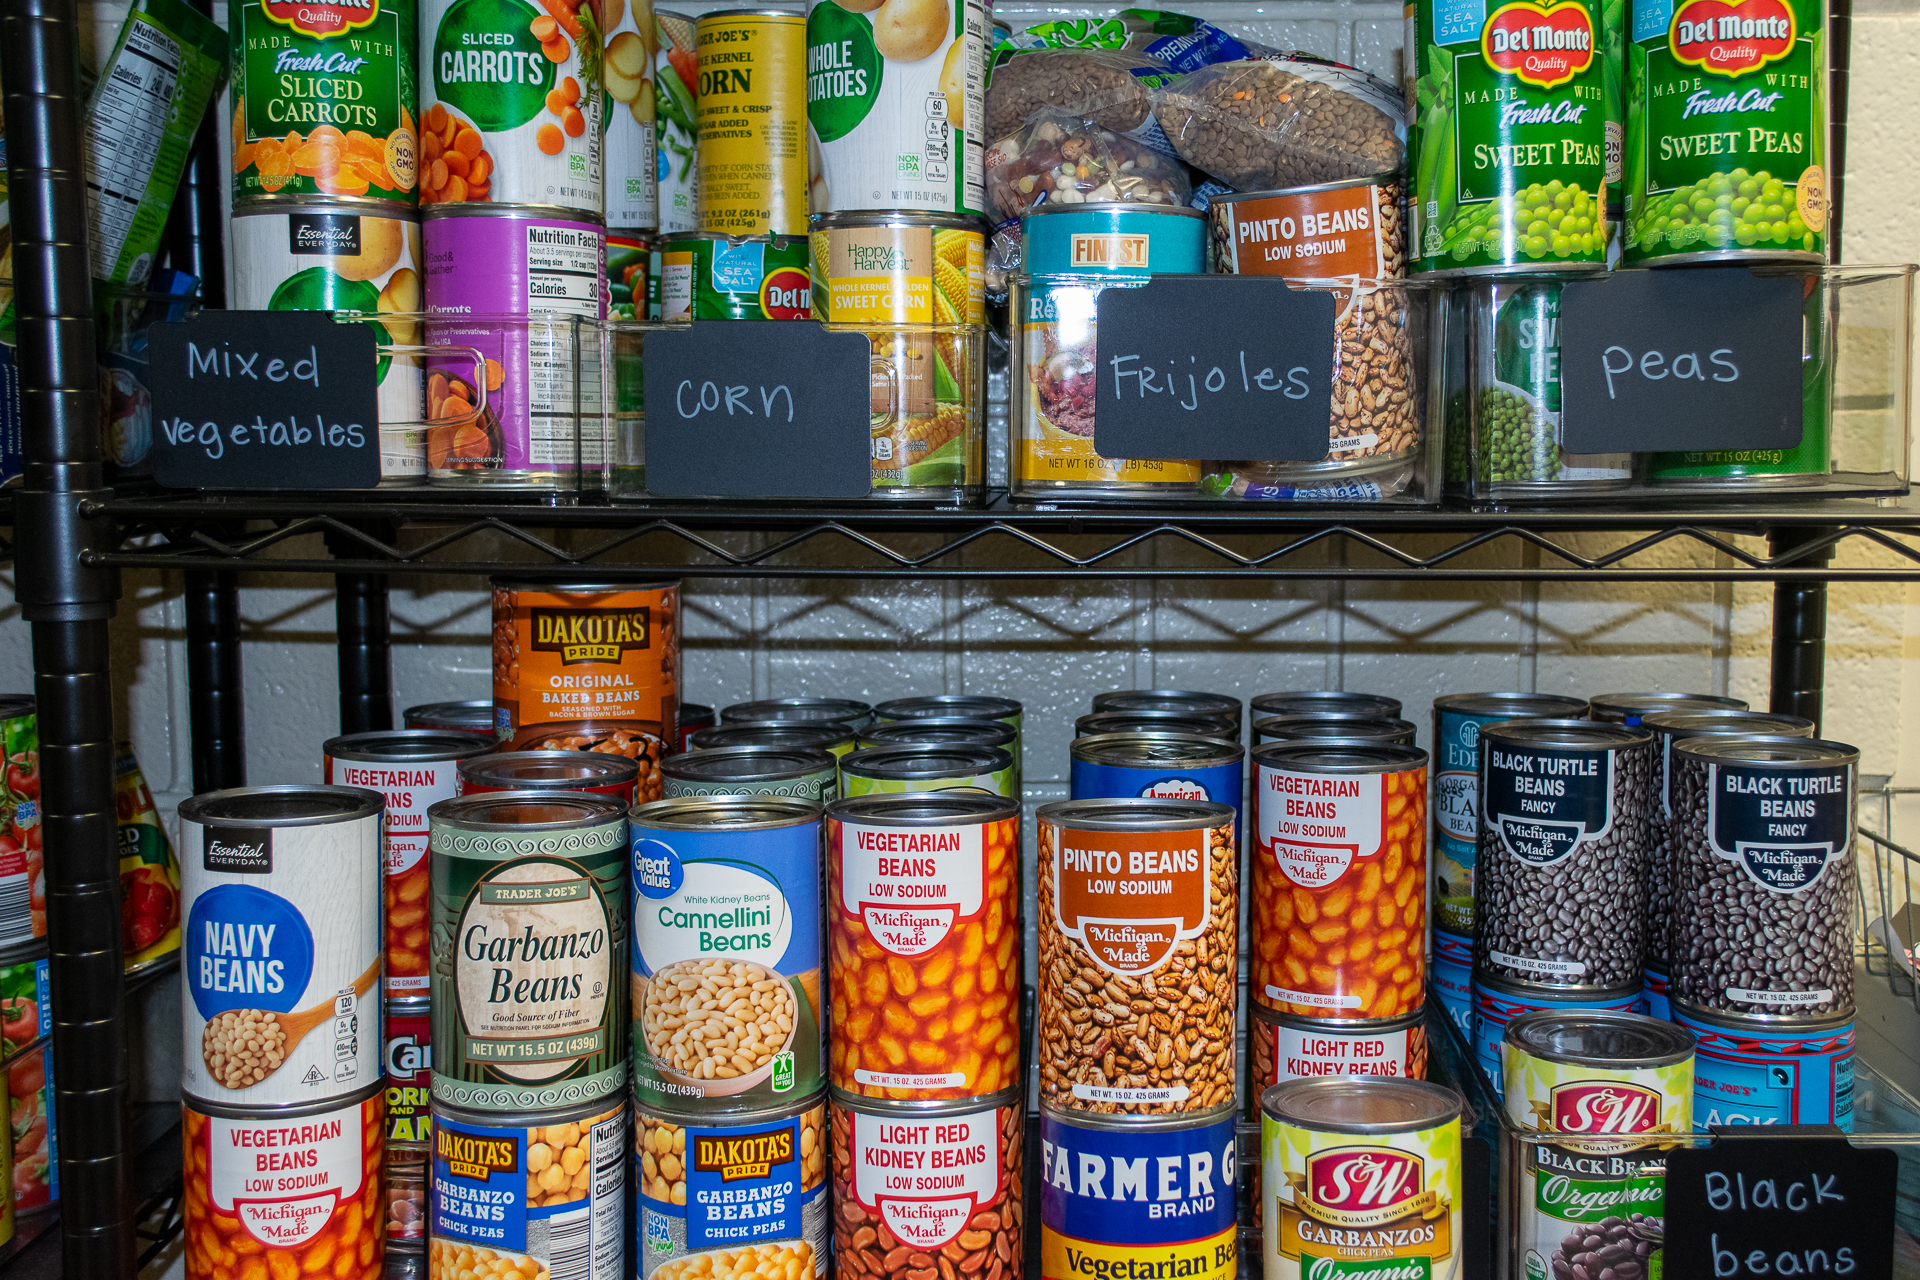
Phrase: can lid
(1639,704)
(794,709)
(1136,720)
(923,760)
(923,808)
(526,811)
(1340,755)
(476,713)
(562,586)
(1337,725)
(1600,1038)
(1570,735)
(1152,747)
(939,729)
(17,704)
(773,733)
(1514,706)
(736,764)
(974,705)
(698,813)
(410,744)
(1763,749)
(1187,700)
(1725,720)
(1135,814)
(1309,702)
(1540,997)
(550,769)
(1350,1104)
(289,805)
(731,240)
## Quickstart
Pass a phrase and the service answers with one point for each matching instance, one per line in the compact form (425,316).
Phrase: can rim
(987,733)
(842,706)
(1297,728)
(1339,1026)
(1677,724)
(847,219)
(592,810)
(591,765)
(913,762)
(1102,206)
(1111,749)
(268,1114)
(16,704)
(787,1110)
(217,808)
(776,762)
(772,239)
(1343,755)
(1288,701)
(607,1104)
(567,586)
(779,812)
(1529,1034)
(932,1108)
(1116,1122)
(1506,987)
(1175,815)
(1385,177)
(1767,750)
(311,202)
(753,13)
(1224,704)
(1571,735)
(1727,1020)
(940,706)
(476,211)
(454,744)
(1642,703)
(825,728)
(1444,1105)
(923,808)
(1505,704)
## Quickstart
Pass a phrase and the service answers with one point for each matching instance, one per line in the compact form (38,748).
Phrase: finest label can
(283,945)
(1496,1004)
(1139,904)
(928,767)
(676,80)
(1755,1070)
(323,98)
(409,1125)
(23,885)
(727,952)
(149,872)
(1158,766)
(598,773)
(26,1014)
(709,276)
(803,773)
(732,1196)
(633,177)
(752,122)
(1281,1047)
(529,923)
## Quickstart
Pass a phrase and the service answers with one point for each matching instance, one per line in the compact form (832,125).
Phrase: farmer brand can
(928,767)
(752,122)
(801,772)
(727,952)
(706,275)
(282,893)
(530,922)
(1158,766)
(1752,1070)
(1496,1004)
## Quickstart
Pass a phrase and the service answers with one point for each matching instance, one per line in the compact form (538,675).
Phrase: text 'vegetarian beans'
(1138,1197)
(1763,897)
(1560,894)
(1339,880)
(1496,1004)
(1280,1047)
(923,917)
(937,1191)
(1139,955)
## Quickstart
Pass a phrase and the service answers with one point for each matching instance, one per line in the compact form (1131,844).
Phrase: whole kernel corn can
(752,122)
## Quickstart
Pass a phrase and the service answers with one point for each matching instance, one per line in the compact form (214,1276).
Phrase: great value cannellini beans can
(1280,1047)
(923,918)
(1360,1177)
(1139,918)
(281,890)
(752,122)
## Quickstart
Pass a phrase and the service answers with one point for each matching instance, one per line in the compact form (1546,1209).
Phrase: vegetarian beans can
(830,736)
(1096,723)
(149,872)
(1560,891)
(530,918)
(626,67)
(1517,135)
(1619,1081)
(1339,880)
(727,952)
(941,731)
(1319,702)
(323,100)
(595,772)
(23,886)
(943,705)
(530,317)
(854,714)
(409,1123)
(1159,766)
(414,769)
(588,667)
(1139,956)
(675,82)
(1763,875)
(1457,720)
(31,1161)
(1763,1070)
(1361,1176)
(751,116)
(317,1213)
(474,715)
(928,767)
(1138,1197)
(707,275)
(804,773)
(1271,730)
(532,1194)
(1630,708)
(282,889)
(318,257)
(511,105)
(1496,1004)
(1282,1047)
(725,1198)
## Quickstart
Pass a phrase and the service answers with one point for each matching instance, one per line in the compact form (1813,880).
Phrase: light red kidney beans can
(412,768)
(409,1063)
(594,772)
(1281,1047)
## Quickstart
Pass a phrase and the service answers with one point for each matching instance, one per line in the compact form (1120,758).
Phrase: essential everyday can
(282,889)
(599,773)
(1765,1070)
(633,176)
(530,919)
(1282,1047)
(1159,766)
(474,715)
(1496,1004)
(831,736)
(928,767)
(708,275)
(923,921)
(675,82)
(805,773)
(149,871)
(409,1123)
(751,111)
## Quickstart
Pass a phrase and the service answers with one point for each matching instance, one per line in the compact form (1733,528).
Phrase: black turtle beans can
(473,716)
(1323,702)
(1311,727)
(694,716)
(1183,701)
(928,767)
(940,731)
(1763,878)
(856,715)
(599,773)
(830,736)
(1560,889)
(1095,723)
(1631,708)
(530,919)
(804,772)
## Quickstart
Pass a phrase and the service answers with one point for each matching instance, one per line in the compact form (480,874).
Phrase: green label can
(1516,134)
(1726,132)
(708,276)
(947,766)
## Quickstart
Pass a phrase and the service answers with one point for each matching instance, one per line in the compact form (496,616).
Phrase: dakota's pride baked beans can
(595,772)
(589,667)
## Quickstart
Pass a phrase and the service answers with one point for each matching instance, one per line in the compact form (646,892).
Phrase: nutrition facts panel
(123,139)
(563,275)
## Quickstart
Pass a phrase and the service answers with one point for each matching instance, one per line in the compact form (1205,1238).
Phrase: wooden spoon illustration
(275,1034)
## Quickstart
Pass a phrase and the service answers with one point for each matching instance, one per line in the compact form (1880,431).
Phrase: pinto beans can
(727,952)
(588,667)
(1139,956)
(529,924)
(923,919)
(409,1131)
(414,769)
(1288,1048)
(149,873)
(594,772)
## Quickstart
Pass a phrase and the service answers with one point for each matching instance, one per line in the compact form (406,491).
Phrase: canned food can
(322,1204)
(529,919)
(1560,881)
(1654,1000)
(414,769)
(629,255)
(519,124)
(1324,702)
(1095,723)
(725,1198)
(1096,1172)
(804,773)
(924,954)
(943,1179)
(149,873)
(474,716)
(1452,985)
(855,715)
(707,275)
(940,706)
(830,736)
(26,1016)
(532,316)
(928,767)
(6,1194)
(1073,252)
(906,268)
(1496,1004)
(323,101)
(1282,1047)
(1272,730)
(940,731)
(1612,1082)
(1630,708)
(727,952)
(1344,1153)
(1159,766)
(409,1123)
(283,945)
(1755,1070)
(533,1193)
(589,667)
(675,128)
(1142,895)
(751,118)
(304,256)
(594,772)
(23,886)
(1763,851)
(1186,702)
(626,66)
(694,716)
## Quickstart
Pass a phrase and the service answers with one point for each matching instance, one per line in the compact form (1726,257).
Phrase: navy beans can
(1159,766)
(1749,1070)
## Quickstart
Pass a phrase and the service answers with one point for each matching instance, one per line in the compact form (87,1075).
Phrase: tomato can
(474,715)
(595,772)
(149,872)
(413,769)
(928,767)
(751,110)
(23,886)
(626,68)
(588,667)
(805,773)
(282,895)
(831,736)
(708,275)
(26,1017)
(854,714)
(1282,1047)
(409,1124)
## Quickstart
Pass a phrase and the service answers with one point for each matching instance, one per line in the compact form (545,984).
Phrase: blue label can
(1653,995)
(1159,766)
(1497,1003)
(1453,988)
(1770,1070)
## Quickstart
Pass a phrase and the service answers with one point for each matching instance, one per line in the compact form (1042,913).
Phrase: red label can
(409,1062)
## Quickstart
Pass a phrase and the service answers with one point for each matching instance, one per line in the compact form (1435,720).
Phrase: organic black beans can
(1560,892)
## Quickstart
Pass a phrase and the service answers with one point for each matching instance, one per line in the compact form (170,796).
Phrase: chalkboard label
(265,400)
(1780,1200)
(758,409)
(1681,359)
(1546,803)
(1783,826)
(1214,367)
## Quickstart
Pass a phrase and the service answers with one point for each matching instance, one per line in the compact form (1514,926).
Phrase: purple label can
(1763,1070)
(1158,766)
(513,397)
(1496,1003)
(1452,984)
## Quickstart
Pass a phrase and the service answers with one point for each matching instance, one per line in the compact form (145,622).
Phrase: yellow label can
(752,117)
